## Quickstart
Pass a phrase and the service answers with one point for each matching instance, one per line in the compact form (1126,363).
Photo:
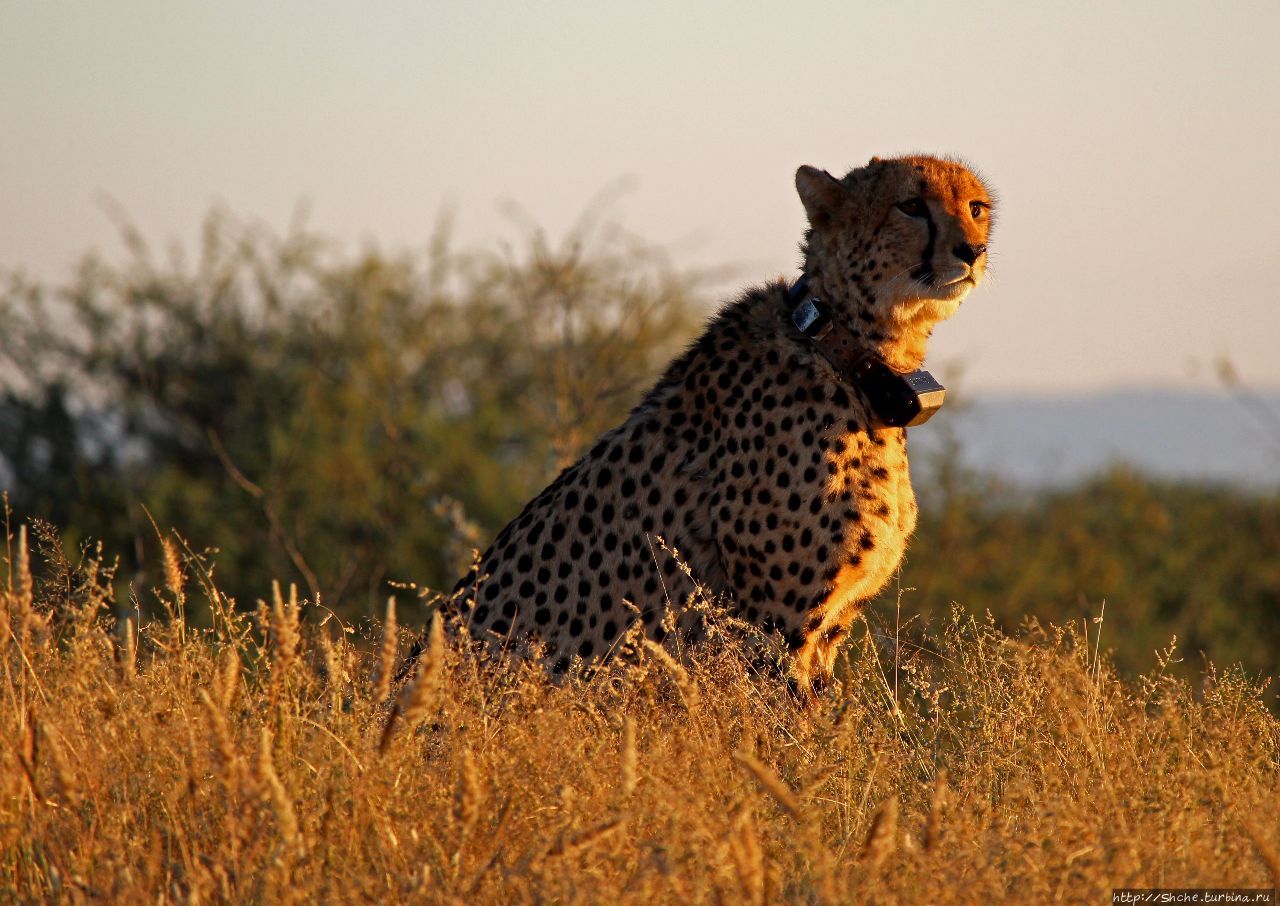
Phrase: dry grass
(254,763)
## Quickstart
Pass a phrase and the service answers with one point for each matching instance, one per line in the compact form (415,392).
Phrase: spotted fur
(751,456)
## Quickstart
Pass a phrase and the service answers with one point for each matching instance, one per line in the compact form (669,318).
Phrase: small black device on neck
(897,400)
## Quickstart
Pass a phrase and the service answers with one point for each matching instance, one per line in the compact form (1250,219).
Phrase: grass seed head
(129,650)
(228,678)
(387,655)
(174,579)
(223,744)
(286,632)
(882,836)
(335,674)
(469,796)
(1267,850)
(578,841)
(630,776)
(22,613)
(282,805)
(421,695)
(64,780)
(748,859)
(933,830)
(770,782)
(685,684)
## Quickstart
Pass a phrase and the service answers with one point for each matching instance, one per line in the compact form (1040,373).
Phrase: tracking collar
(897,400)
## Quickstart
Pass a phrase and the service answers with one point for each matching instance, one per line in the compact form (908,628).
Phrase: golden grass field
(251,762)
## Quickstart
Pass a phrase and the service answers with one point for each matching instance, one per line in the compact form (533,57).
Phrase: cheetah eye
(977,209)
(912,207)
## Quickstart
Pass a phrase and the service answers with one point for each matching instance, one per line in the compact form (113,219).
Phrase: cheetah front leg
(827,625)
(799,578)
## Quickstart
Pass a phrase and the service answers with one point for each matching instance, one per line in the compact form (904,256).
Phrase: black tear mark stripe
(925,271)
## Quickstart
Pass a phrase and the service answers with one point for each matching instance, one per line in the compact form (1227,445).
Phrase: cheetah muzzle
(758,455)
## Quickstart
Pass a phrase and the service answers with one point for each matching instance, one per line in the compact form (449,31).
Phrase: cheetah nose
(968,252)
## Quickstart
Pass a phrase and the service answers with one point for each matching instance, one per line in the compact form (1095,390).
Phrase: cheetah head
(896,246)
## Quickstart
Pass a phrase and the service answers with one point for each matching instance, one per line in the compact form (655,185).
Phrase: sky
(1133,146)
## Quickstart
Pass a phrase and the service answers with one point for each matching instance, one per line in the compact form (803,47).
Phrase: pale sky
(1134,147)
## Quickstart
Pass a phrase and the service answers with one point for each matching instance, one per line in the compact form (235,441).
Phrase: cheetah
(761,454)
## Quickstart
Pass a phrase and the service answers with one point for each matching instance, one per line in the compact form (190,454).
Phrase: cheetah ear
(820,192)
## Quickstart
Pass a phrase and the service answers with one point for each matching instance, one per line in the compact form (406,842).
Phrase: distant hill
(1039,441)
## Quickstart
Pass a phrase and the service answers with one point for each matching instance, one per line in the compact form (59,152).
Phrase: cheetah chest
(873,476)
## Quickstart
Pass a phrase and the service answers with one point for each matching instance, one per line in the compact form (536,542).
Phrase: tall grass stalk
(256,761)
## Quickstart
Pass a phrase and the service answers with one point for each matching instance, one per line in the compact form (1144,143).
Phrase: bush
(338,421)
(1160,559)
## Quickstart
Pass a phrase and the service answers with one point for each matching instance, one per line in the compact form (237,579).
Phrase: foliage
(250,762)
(338,421)
(1162,559)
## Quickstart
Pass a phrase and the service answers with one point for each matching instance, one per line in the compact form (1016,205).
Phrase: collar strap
(813,318)
(897,400)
